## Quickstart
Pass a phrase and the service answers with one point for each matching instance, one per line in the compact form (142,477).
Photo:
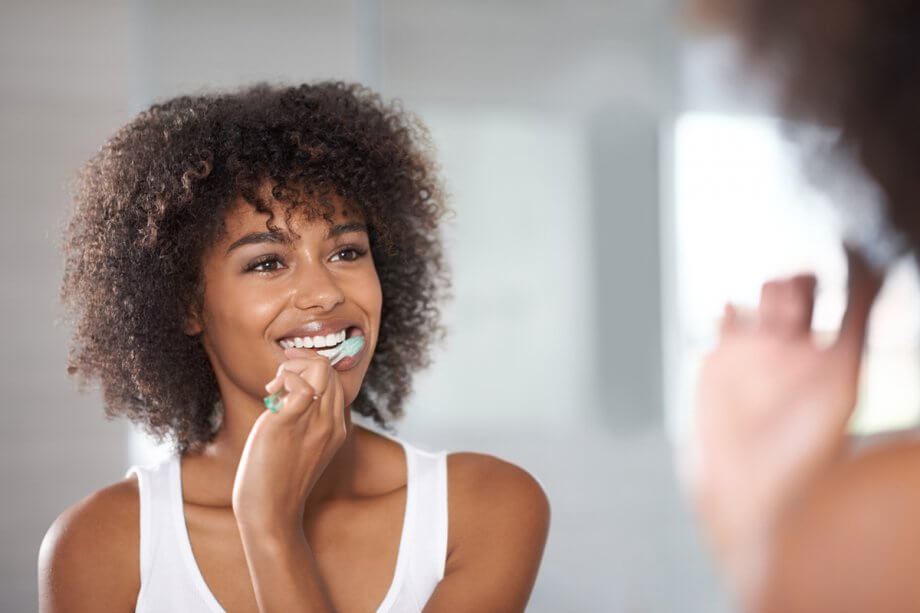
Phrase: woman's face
(310,283)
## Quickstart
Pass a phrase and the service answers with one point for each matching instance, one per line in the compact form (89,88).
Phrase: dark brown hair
(851,65)
(154,198)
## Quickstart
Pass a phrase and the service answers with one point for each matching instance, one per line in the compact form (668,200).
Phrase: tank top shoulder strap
(170,577)
(155,485)
(427,504)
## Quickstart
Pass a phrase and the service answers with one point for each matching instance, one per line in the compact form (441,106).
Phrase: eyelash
(254,266)
(359,252)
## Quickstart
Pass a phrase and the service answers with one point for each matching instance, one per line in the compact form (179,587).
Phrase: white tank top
(171,580)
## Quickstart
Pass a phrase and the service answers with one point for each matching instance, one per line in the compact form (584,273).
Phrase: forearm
(284,573)
(745,514)
(739,517)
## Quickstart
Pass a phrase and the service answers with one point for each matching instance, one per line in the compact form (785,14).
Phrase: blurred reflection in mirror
(800,516)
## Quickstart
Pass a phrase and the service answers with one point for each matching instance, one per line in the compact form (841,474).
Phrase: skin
(832,526)
(299,510)
(787,507)
(850,544)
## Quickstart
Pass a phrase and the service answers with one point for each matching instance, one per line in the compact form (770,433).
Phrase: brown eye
(266,263)
(348,254)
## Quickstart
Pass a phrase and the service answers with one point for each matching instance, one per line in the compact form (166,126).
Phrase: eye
(348,254)
(265,263)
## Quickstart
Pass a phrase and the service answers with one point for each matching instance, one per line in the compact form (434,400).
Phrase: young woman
(799,521)
(223,249)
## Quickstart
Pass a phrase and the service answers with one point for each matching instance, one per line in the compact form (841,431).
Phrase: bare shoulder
(484,479)
(89,557)
(881,476)
(488,496)
(498,519)
(851,542)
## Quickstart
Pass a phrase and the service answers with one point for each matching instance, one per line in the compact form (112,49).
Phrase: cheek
(233,319)
(373,299)
(364,291)
(377,294)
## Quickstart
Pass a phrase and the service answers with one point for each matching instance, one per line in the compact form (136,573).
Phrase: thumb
(863,285)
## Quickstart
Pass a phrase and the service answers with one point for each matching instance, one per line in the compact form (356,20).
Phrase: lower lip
(351,361)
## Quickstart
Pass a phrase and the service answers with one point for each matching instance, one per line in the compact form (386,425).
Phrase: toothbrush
(348,347)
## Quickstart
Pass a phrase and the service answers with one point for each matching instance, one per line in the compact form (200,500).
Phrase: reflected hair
(853,67)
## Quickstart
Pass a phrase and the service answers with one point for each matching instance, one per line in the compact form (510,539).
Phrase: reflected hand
(773,409)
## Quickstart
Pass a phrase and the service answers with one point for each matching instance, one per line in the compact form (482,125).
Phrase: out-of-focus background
(611,191)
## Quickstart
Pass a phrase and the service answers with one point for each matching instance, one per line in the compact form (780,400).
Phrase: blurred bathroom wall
(553,126)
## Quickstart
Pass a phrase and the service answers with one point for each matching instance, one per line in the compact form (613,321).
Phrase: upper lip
(319,328)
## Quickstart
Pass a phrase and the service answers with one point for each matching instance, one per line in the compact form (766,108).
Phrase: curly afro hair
(153,200)
(853,66)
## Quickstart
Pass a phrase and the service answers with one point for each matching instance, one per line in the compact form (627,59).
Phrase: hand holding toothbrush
(290,445)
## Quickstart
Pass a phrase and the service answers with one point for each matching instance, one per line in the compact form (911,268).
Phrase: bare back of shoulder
(89,557)
(851,542)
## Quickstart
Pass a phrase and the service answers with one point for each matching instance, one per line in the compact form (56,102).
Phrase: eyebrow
(284,237)
(345,228)
(260,237)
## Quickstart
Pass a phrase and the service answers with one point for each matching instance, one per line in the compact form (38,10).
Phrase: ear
(192,326)
(191,323)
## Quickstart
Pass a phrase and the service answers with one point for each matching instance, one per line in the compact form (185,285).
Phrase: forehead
(243,217)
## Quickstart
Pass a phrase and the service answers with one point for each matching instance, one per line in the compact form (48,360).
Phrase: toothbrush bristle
(348,348)
(351,346)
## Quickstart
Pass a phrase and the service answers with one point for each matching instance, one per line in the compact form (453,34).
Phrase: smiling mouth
(322,343)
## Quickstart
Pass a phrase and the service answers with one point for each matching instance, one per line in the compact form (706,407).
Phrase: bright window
(744,213)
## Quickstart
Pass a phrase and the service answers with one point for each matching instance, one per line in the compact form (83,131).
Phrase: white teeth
(310,342)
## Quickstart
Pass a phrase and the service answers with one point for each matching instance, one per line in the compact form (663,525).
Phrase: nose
(317,289)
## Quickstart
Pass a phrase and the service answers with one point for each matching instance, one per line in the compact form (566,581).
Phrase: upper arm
(88,560)
(851,543)
(499,519)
